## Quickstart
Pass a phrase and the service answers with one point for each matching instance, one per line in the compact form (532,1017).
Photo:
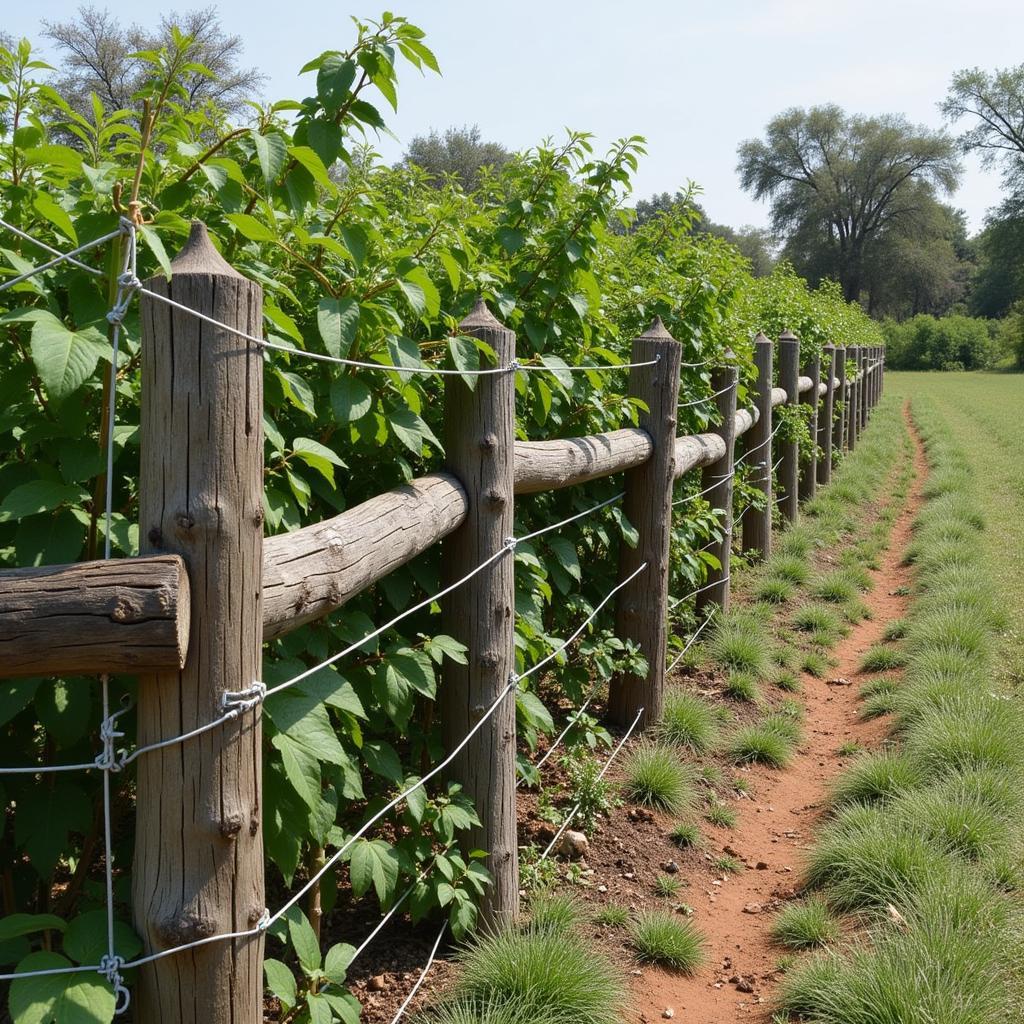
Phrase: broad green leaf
(338,322)
(65,359)
(46,205)
(39,496)
(304,941)
(382,760)
(334,80)
(317,456)
(15,695)
(50,539)
(336,962)
(308,159)
(412,431)
(301,768)
(156,246)
(251,228)
(417,670)
(271,151)
(413,292)
(345,1006)
(42,824)
(64,709)
(466,356)
(305,721)
(351,399)
(86,938)
(14,925)
(373,862)
(319,1009)
(565,552)
(281,982)
(431,296)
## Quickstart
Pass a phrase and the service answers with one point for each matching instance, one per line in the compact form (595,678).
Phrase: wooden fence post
(839,423)
(717,480)
(809,461)
(825,412)
(198,836)
(757,522)
(789,470)
(641,607)
(852,418)
(864,392)
(479,429)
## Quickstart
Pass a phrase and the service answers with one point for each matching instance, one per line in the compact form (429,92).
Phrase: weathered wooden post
(852,417)
(717,480)
(641,607)
(479,429)
(809,458)
(825,413)
(198,835)
(789,470)
(839,424)
(757,522)
(864,394)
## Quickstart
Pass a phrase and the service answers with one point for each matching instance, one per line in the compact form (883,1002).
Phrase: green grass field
(981,410)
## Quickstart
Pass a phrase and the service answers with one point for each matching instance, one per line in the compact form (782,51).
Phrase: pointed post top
(788,335)
(481,317)
(198,256)
(762,339)
(657,330)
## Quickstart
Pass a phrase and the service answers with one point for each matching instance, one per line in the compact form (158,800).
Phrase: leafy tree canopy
(459,152)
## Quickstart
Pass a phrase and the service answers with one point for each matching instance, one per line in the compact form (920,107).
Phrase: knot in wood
(257,516)
(187,926)
(489,444)
(125,610)
(489,660)
(155,536)
(183,521)
(230,825)
(495,498)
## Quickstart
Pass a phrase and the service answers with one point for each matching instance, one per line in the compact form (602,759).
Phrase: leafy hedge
(953,342)
(358,260)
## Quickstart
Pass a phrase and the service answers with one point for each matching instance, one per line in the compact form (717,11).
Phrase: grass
(806,925)
(882,658)
(668,941)
(685,834)
(814,664)
(727,864)
(721,815)
(667,885)
(836,587)
(790,565)
(689,721)
(554,911)
(655,776)
(875,777)
(742,686)
(895,630)
(818,620)
(774,590)
(764,743)
(788,681)
(613,915)
(741,643)
(549,975)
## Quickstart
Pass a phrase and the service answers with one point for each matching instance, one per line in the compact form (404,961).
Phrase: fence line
(863,387)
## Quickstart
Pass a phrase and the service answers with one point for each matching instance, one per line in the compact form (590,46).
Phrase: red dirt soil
(775,827)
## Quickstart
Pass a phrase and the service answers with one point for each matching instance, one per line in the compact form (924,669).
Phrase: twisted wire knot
(238,701)
(110,968)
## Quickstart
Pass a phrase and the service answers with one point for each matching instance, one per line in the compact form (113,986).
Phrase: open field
(979,410)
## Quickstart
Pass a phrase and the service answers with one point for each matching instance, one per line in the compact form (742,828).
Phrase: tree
(98,56)
(460,152)
(842,180)
(995,104)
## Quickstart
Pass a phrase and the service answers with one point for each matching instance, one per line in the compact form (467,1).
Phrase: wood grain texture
(840,401)
(789,469)
(479,428)
(549,465)
(757,522)
(717,480)
(641,607)
(123,615)
(828,361)
(311,572)
(809,458)
(199,841)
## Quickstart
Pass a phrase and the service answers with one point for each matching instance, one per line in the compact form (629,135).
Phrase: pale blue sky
(693,76)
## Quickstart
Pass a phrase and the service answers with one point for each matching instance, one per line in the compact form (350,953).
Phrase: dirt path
(775,827)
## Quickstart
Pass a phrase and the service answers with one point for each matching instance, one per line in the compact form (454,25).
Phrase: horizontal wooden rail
(550,465)
(122,615)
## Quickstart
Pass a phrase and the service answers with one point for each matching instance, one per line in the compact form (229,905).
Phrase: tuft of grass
(882,658)
(791,565)
(685,833)
(805,925)
(819,619)
(655,776)
(549,975)
(814,664)
(760,744)
(960,823)
(981,733)
(689,721)
(668,941)
(836,587)
(553,911)
(876,777)
(849,748)
(727,864)
(740,642)
(742,686)
(774,590)
(721,815)
(880,684)
(667,885)
(788,681)
(612,915)
(895,630)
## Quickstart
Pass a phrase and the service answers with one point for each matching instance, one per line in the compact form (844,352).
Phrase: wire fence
(112,759)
